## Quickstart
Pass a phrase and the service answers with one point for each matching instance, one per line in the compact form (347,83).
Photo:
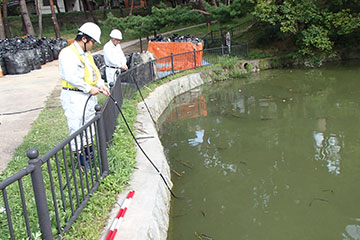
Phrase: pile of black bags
(22,55)
(100,63)
(132,61)
(177,38)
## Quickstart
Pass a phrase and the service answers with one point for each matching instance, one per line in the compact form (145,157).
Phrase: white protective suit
(71,69)
(114,58)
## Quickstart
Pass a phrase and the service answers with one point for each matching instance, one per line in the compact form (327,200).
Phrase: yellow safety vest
(87,77)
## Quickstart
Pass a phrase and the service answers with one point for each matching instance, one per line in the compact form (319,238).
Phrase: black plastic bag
(16,63)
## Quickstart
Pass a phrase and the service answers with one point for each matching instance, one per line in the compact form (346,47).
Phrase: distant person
(81,79)
(114,57)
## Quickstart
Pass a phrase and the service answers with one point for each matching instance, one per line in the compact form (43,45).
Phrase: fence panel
(17,207)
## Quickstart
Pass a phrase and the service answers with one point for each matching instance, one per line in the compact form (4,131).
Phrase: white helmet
(116,34)
(92,30)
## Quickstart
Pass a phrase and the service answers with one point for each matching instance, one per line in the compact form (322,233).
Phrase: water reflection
(327,147)
(353,232)
(199,137)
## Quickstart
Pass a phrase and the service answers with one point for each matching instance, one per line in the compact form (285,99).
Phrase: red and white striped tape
(119,217)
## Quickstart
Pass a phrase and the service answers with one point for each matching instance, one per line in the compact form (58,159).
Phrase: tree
(135,25)
(91,11)
(58,10)
(6,20)
(132,7)
(26,18)
(315,25)
(2,31)
(54,19)
(106,6)
(39,13)
(226,13)
(164,16)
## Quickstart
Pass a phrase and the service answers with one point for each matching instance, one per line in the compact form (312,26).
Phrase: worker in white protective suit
(81,82)
(114,57)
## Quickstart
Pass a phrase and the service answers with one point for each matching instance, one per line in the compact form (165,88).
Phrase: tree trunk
(132,7)
(173,3)
(150,3)
(207,16)
(2,31)
(85,11)
(215,4)
(6,20)
(105,9)
(53,18)
(26,18)
(91,11)
(59,12)
(39,13)
(141,48)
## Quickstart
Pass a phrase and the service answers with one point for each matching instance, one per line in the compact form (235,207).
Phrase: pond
(274,155)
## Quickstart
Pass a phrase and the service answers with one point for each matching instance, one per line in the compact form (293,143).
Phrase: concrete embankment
(148,215)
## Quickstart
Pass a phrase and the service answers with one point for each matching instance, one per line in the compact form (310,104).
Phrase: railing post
(172,63)
(39,194)
(151,64)
(102,141)
(111,85)
(247,50)
(222,49)
(195,57)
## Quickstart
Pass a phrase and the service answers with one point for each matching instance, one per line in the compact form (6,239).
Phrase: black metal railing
(60,183)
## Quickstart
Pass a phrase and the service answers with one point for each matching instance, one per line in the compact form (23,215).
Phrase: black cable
(142,97)
(25,111)
(87,100)
(137,143)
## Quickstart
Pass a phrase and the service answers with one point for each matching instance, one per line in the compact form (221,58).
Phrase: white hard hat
(92,30)
(116,34)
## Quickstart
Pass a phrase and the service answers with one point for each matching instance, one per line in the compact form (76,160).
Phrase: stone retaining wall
(148,214)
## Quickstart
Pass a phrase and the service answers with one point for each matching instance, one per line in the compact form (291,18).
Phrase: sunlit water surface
(272,156)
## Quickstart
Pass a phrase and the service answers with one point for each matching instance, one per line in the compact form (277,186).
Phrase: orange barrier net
(181,62)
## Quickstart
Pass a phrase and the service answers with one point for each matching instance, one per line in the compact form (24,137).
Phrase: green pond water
(275,155)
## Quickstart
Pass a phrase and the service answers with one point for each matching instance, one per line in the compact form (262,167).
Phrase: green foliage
(134,25)
(228,62)
(226,13)
(264,64)
(164,16)
(257,54)
(314,24)
(160,18)
(249,67)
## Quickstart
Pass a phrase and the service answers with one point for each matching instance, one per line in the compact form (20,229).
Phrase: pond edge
(147,217)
